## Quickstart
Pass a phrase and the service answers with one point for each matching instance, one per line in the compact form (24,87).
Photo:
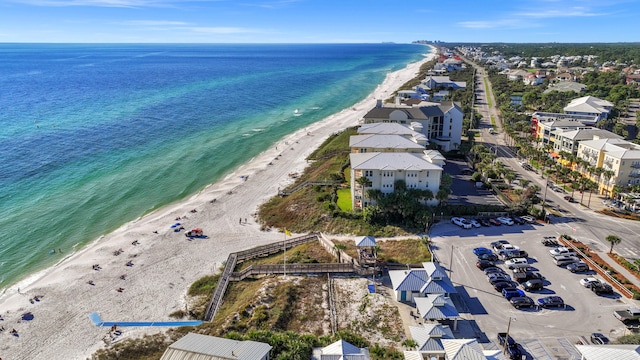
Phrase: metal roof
(391,161)
(408,280)
(608,352)
(436,307)
(383,141)
(201,347)
(385,128)
(366,241)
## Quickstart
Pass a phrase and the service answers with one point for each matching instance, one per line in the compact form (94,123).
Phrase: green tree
(613,240)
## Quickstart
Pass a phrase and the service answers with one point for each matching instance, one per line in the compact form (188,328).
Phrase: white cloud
(492,24)
(564,13)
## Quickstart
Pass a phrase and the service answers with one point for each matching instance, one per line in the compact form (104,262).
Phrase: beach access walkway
(97,321)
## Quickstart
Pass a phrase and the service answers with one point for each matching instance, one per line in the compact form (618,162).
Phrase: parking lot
(543,333)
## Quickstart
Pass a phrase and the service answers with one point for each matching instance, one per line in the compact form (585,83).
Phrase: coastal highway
(577,220)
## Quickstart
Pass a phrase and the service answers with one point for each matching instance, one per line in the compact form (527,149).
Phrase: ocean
(93,136)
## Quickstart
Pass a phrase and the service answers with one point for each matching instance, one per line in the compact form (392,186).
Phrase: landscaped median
(599,265)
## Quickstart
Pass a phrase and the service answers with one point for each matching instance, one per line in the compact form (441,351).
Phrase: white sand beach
(166,263)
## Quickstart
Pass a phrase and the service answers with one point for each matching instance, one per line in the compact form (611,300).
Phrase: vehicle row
(502,220)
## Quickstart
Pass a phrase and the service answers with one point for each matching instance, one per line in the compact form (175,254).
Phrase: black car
(533,285)
(498,244)
(550,241)
(500,285)
(484,222)
(518,220)
(489,257)
(599,339)
(522,277)
(522,301)
(483,264)
(569,199)
(578,267)
(551,301)
(491,270)
(601,288)
(524,269)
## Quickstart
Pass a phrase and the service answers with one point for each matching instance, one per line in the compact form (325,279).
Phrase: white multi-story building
(589,105)
(441,122)
(383,169)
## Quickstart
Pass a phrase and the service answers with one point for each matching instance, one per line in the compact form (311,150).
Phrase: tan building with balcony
(620,157)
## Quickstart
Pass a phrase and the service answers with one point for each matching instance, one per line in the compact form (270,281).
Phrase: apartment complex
(441,122)
(617,157)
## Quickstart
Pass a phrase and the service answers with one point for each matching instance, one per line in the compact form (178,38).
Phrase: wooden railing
(237,257)
(311,268)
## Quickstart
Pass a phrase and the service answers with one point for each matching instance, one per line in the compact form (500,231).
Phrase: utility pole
(506,340)
(451,262)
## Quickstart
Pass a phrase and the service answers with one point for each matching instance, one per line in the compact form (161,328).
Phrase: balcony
(635,165)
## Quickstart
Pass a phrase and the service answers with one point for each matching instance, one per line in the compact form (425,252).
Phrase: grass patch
(402,251)
(344,199)
(486,90)
(311,252)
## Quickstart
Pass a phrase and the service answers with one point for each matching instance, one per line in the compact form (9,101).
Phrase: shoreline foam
(165,263)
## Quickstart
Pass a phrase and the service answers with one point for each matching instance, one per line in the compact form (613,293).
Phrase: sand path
(165,263)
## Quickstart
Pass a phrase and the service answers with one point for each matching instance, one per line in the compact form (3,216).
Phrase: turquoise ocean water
(94,136)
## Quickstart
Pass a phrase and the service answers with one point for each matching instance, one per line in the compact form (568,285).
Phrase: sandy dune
(164,263)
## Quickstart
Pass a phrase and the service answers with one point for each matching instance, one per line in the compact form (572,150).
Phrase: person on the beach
(245,220)
(240,222)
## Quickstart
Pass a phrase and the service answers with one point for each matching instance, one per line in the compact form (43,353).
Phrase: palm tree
(613,240)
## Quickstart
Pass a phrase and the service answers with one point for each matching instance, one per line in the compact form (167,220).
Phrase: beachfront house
(204,347)
(383,169)
(440,122)
(410,284)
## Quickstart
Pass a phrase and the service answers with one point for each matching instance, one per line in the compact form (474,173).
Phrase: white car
(461,222)
(586,282)
(561,250)
(474,223)
(505,220)
(528,218)
(517,262)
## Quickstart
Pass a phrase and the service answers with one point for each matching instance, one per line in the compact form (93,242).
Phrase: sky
(318,21)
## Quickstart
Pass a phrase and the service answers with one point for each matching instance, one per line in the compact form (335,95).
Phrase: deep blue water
(94,136)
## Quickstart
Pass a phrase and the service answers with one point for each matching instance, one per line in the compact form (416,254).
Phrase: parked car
(503,285)
(461,222)
(550,241)
(490,257)
(522,301)
(512,263)
(494,278)
(483,264)
(561,250)
(569,199)
(518,220)
(509,293)
(484,222)
(563,260)
(474,223)
(511,254)
(505,220)
(578,267)
(491,270)
(498,244)
(533,285)
(529,219)
(495,222)
(523,269)
(481,250)
(599,339)
(526,276)
(600,288)
(551,301)
(505,248)
(586,282)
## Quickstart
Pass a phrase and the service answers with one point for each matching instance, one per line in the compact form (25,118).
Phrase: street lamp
(506,340)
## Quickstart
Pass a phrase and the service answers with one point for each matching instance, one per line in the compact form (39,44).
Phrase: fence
(608,276)
(237,257)
(311,268)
